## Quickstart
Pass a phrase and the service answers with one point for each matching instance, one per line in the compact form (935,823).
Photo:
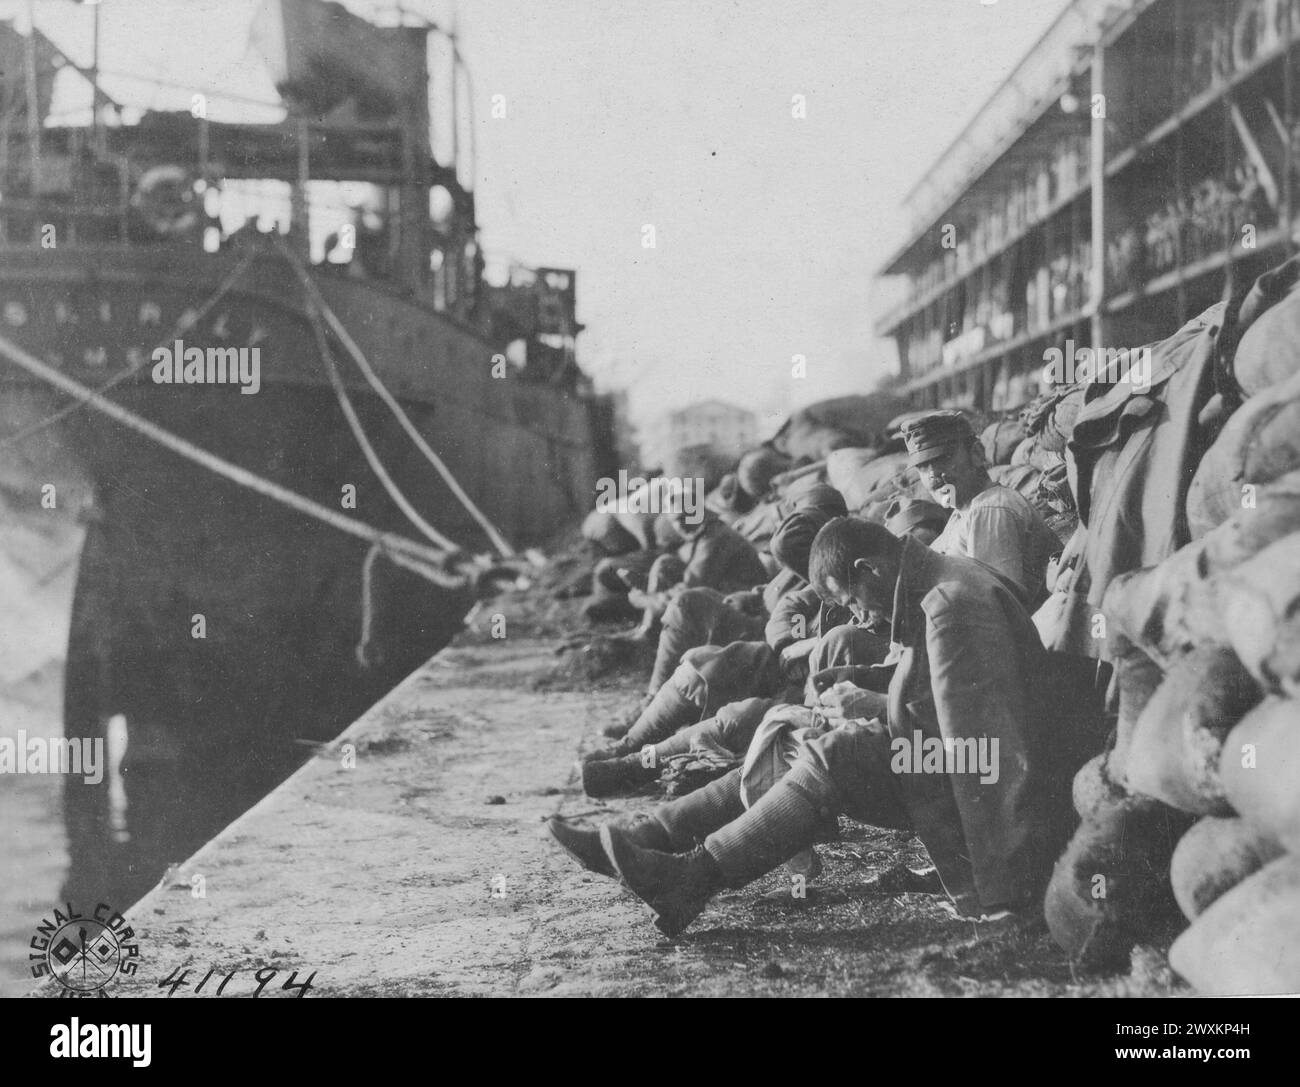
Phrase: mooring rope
(317,300)
(367,607)
(409,554)
(359,433)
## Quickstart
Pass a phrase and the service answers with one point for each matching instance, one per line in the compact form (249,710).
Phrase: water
(145,815)
(38,557)
(33,842)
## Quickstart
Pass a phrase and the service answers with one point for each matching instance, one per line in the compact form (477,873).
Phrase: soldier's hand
(870,677)
(798,652)
(845,702)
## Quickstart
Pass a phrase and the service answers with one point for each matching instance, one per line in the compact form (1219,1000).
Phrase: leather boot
(616,777)
(582,843)
(600,754)
(610,609)
(676,886)
(828,830)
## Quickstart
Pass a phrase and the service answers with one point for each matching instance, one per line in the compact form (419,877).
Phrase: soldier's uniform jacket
(802,614)
(1133,453)
(720,558)
(971,665)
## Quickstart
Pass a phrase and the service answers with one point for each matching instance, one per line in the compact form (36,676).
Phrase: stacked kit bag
(1197,803)
(1025,450)
(1236,873)
(1131,455)
(1049,423)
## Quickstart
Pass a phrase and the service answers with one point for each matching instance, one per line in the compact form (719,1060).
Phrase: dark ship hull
(214,721)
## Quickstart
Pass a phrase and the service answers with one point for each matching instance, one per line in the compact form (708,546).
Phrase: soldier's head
(855,564)
(943,448)
(757,468)
(791,543)
(916,517)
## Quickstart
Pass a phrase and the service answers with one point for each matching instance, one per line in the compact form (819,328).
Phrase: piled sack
(1260,443)
(1130,454)
(1049,425)
(1000,439)
(1240,884)
(1238,878)
(869,481)
(1110,888)
(812,433)
(1026,451)
(1207,747)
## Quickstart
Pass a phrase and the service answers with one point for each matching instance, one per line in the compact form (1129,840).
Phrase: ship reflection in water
(194,749)
(66,841)
(155,808)
(180,752)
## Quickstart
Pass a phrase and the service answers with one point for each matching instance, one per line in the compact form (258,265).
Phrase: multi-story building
(1138,162)
(724,429)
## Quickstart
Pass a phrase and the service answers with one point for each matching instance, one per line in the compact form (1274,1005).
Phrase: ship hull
(223,627)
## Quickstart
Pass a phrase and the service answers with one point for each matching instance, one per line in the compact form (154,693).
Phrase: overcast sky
(677,114)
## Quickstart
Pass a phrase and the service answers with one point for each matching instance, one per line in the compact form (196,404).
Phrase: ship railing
(49,224)
(1020,98)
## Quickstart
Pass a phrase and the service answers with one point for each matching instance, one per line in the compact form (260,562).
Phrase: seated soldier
(696,700)
(991,808)
(696,549)
(813,640)
(989,523)
(614,577)
(711,555)
(757,468)
(760,522)
(705,617)
(702,616)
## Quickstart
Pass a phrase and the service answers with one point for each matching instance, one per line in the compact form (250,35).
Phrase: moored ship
(227,630)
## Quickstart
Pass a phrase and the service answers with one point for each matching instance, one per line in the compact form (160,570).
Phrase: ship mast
(96,100)
(33,107)
(455,79)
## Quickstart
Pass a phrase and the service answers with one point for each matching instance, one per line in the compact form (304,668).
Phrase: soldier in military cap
(990,523)
(968,654)
(916,517)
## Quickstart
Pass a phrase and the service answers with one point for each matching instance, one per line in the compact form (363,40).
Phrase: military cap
(931,436)
(905,513)
(758,467)
(820,496)
(791,543)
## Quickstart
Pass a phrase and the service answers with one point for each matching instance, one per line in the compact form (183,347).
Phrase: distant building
(627,452)
(676,438)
